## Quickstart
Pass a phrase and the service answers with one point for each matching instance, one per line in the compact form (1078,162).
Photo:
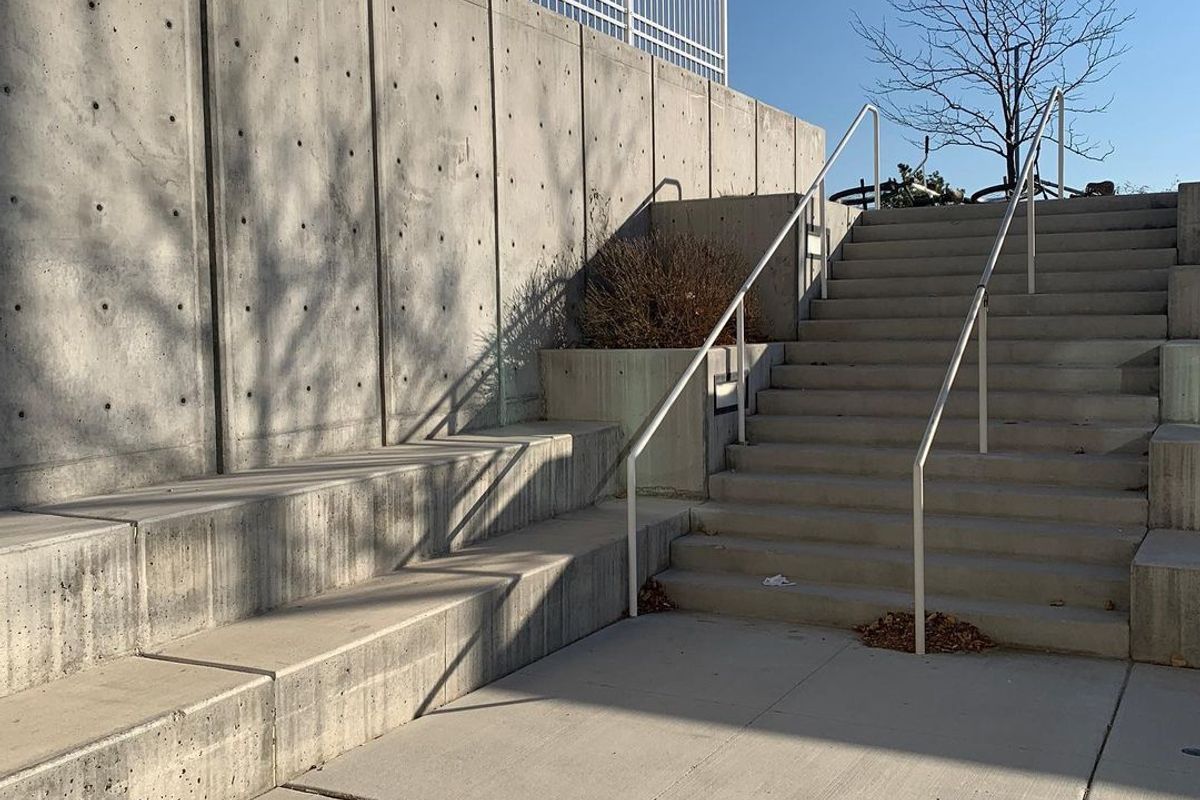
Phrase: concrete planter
(626,386)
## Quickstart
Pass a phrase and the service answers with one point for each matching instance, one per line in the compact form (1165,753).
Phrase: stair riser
(1045,209)
(962,285)
(960,434)
(948,328)
(1129,380)
(1015,265)
(1022,586)
(939,499)
(981,245)
(1111,641)
(1129,353)
(961,404)
(940,535)
(1140,219)
(949,466)
(1008,305)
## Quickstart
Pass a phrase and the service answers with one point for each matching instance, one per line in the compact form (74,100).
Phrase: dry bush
(663,291)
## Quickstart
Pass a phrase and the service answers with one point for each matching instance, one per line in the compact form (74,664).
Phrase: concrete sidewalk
(679,706)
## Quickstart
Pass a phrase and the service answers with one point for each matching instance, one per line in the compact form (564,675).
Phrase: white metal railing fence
(691,33)
(978,311)
(737,305)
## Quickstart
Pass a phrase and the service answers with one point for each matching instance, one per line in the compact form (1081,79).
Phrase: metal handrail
(736,306)
(978,311)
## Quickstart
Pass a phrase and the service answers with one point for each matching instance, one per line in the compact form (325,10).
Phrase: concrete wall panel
(104,369)
(733,143)
(776,147)
(539,132)
(681,138)
(810,155)
(618,138)
(296,255)
(437,217)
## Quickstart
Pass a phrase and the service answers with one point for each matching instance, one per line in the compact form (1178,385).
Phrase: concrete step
(229,713)
(139,728)
(349,665)
(1066,469)
(1000,306)
(100,577)
(1078,326)
(1015,243)
(1001,377)
(962,575)
(1052,283)
(1098,352)
(963,403)
(1074,205)
(1088,261)
(1122,220)
(997,500)
(1112,545)
(1053,628)
(1024,436)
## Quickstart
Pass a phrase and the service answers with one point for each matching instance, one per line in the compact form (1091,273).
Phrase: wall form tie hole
(175,212)
(180,306)
(99,207)
(308,388)
(183,401)
(108,406)
(237,42)
(172,118)
(21,414)
(104,306)
(95,106)
(170,24)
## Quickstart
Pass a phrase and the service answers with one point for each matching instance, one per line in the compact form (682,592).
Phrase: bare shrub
(663,290)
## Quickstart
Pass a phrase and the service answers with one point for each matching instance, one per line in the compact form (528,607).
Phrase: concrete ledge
(68,589)
(1164,615)
(351,664)
(1183,303)
(1174,477)
(139,728)
(626,386)
(1180,381)
(219,549)
(1189,223)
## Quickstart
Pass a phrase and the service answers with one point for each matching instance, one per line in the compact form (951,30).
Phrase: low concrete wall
(1174,477)
(627,386)
(750,224)
(1164,614)
(1189,224)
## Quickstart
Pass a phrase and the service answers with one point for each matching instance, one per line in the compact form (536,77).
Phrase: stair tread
(933,484)
(1073,570)
(994,421)
(1098,459)
(996,525)
(966,390)
(896,599)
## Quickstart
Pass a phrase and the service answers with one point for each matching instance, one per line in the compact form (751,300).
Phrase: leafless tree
(975,73)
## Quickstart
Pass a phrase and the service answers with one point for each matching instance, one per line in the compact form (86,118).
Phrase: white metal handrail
(736,306)
(978,311)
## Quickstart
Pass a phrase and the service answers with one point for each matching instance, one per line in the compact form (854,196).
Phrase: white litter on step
(778,580)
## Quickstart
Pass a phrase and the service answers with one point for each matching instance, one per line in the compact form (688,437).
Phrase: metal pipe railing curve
(978,311)
(735,306)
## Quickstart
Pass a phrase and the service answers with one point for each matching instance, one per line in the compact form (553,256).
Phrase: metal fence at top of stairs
(693,34)
(978,312)
(736,306)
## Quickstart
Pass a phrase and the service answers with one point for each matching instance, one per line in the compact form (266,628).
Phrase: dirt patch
(652,599)
(944,633)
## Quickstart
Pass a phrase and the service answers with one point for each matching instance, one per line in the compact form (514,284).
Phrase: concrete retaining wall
(284,231)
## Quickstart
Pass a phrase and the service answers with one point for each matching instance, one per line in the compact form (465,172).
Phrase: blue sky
(802,56)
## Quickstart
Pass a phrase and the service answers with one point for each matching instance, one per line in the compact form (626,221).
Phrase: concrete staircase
(1032,542)
(214,638)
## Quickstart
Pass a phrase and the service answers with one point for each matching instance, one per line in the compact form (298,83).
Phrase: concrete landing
(678,706)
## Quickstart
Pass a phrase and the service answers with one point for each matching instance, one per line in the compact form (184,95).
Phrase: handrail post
(875,119)
(919,557)
(824,241)
(631,530)
(983,375)
(628,21)
(741,370)
(1031,229)
(1062,148)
